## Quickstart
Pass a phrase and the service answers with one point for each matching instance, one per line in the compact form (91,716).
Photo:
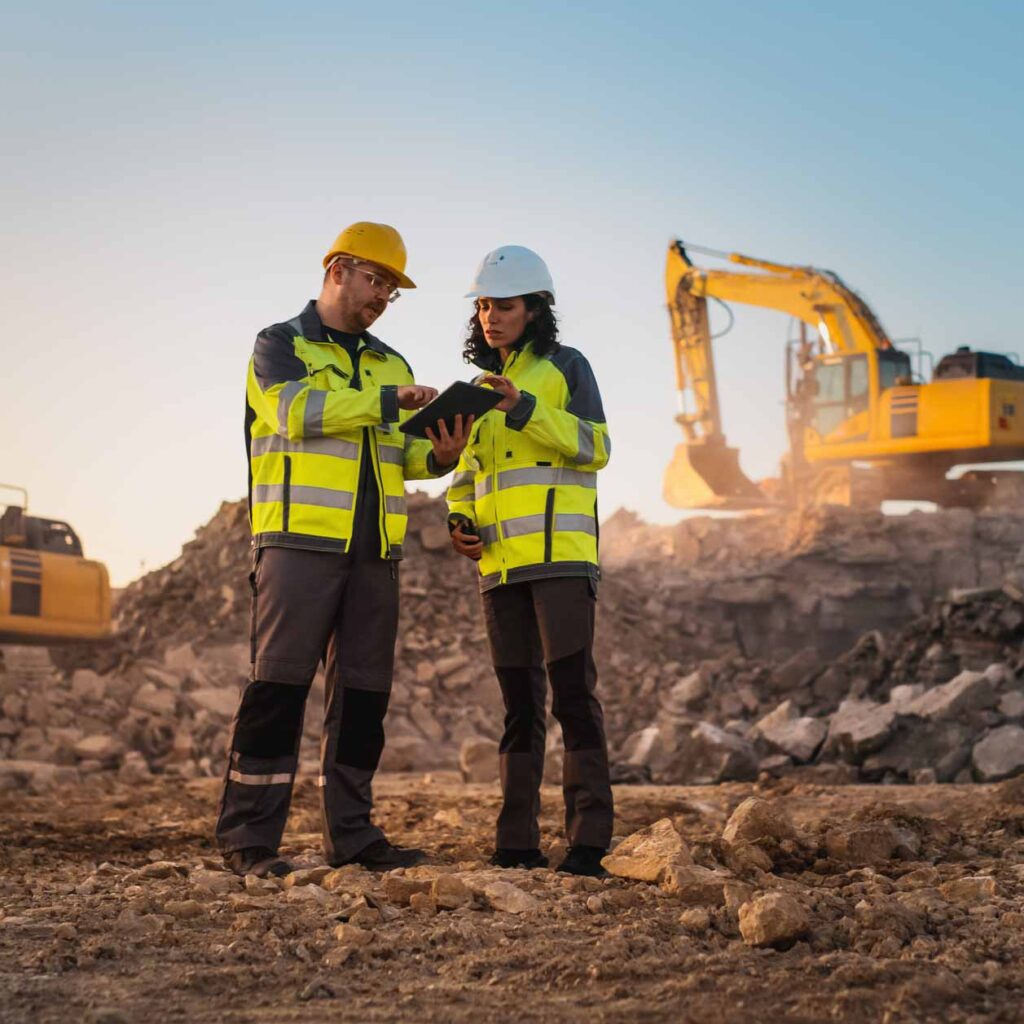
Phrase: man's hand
(448,447)
(505,387)
(467,544)
(415,396)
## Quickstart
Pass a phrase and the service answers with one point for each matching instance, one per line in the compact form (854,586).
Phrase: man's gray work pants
(306,604)
(549,622)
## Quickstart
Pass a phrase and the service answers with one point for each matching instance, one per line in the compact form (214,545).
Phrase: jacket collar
(313,329)
(490,361)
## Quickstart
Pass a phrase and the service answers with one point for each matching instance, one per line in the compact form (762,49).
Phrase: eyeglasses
(379,282)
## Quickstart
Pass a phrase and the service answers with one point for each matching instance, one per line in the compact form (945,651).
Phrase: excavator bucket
(703,475)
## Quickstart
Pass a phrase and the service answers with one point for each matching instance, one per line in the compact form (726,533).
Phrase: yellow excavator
(863,425)
(49,592)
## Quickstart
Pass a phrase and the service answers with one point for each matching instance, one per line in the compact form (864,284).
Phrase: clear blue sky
(173,174)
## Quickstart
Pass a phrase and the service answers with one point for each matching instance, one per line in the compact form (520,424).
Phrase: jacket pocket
(549,523)
(286,494)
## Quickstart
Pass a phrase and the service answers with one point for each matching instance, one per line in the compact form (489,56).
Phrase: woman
(523,504)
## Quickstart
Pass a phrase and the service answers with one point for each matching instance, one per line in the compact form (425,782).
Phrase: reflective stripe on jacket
(312,413)
(528,478)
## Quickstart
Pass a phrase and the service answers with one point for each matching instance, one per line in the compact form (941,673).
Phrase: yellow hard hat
(378,243)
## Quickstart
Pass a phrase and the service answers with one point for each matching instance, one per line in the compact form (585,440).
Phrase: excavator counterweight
(49,592)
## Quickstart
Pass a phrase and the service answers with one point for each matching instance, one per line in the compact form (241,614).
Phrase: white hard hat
(511,270)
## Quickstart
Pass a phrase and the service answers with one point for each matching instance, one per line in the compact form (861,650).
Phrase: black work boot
(584,860)
(382,855)
(503,857)
(259,861)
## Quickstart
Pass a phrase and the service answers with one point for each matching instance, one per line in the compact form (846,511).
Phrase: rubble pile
(724,648)
(940,701)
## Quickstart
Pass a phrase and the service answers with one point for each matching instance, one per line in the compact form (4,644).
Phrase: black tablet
(459,397)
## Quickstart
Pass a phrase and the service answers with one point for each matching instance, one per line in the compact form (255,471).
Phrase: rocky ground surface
(876,648)
(780,900)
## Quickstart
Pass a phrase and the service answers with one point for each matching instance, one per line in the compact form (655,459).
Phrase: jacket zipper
(370,443)
(495,448)
(286,494)
(549,523)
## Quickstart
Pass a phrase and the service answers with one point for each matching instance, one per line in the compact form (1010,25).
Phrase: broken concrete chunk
(696,885)
(774,919)
(106,749)
(969,691)
(510,898)
(478,760)
(647,855)
(756,819)
(863,845)
(221,702)
(450,892)
(1000,754)
(970,890)
(399,889)
(859,727)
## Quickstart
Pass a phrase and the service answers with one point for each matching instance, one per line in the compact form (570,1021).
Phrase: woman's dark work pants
(306,603)
(549,622)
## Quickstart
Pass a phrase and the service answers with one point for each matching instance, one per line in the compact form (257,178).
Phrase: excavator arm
(704,471)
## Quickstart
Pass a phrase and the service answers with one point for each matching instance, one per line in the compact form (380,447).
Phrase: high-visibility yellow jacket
(312,413)
(528,478)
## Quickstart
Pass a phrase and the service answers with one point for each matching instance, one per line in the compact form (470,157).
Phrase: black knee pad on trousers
(572,703)
(270,719)
(520,711)
(361,732)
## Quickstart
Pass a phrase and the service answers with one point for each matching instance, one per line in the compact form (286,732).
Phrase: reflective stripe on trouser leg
(263,756)
(295,596)
(521,756)
(360,666)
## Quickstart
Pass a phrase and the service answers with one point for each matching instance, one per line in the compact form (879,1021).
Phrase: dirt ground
(113,909)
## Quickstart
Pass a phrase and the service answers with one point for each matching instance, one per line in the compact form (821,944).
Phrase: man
(327,471)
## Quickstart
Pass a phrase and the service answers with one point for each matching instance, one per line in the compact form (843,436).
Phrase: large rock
(757,819)
(408,754)
(648,855)
(868,845)
(710,755)
(450,892)
(222,702)
(1000,754)
(149,697)
(695,885)
(99,747)
(509,898)
(1011,705)
(785,730)
(943,746)
(88,686)
(774,919)
(478,760)
(690,692)
(969,691)
(860,727)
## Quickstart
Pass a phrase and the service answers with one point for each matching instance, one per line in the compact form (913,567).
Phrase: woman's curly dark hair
(542,330)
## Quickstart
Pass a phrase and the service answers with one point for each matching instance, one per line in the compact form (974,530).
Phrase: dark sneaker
(506,858)
(584,860)
(381,855)
(259,861)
